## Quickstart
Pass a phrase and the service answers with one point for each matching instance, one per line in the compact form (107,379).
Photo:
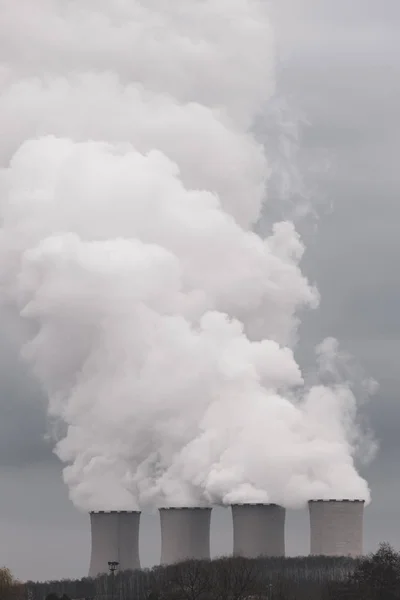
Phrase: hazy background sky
(339,68)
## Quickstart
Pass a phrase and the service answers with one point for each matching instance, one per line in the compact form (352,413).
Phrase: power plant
(115,538)
(185,534)
(258,530)
(336,527)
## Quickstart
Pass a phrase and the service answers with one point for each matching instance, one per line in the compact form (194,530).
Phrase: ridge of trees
(373,577)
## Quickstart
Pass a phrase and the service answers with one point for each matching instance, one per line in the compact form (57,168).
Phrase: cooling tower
(258,530)
(336,527)
(115,537)
(185,534)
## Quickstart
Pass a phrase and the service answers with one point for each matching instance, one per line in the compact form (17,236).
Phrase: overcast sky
(339,68)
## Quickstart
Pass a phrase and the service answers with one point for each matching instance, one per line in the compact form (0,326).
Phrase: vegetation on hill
(374,577)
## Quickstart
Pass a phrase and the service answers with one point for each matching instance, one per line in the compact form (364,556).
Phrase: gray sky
(339,67)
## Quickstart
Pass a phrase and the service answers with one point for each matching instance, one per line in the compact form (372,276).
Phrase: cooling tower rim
(115,512)
(337,500)
(256,504)
(193,508)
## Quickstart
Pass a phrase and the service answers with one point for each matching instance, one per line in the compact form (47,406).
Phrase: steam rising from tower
(115,537)
(258,530)
(185,534)
(131,185)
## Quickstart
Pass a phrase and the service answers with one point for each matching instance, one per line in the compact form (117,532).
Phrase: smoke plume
(159,324)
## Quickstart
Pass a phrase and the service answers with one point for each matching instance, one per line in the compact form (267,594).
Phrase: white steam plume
(160,324)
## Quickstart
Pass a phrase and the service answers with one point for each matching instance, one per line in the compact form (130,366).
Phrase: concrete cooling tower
(258,530)
(336,527)
(115,537)
(185,534)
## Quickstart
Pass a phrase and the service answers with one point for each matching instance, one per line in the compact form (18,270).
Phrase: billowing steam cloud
(160,325)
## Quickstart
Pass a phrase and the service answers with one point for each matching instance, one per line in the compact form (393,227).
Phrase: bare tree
(10,588)
(188,580)
(236,579)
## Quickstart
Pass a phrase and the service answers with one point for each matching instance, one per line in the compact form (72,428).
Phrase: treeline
(375,577)
(220,579)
